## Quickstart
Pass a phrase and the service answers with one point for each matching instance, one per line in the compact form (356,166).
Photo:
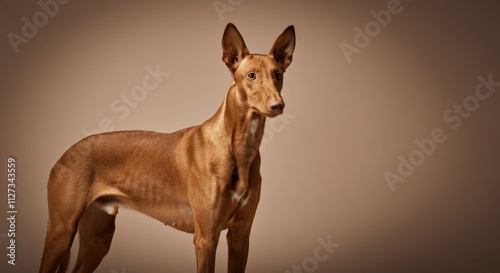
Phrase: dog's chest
(237,197)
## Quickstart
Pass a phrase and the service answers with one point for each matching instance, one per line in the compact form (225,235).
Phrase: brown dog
(200,180)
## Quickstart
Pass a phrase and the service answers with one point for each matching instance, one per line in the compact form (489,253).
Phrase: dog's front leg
(238,234)
(205,247)
(238,244)
(206,236)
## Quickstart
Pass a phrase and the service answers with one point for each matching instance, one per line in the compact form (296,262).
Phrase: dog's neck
(237,127)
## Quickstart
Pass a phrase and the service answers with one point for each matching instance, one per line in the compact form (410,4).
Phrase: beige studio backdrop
(387,158)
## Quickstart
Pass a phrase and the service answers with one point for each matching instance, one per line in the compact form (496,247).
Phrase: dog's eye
(277,75)
(251,75)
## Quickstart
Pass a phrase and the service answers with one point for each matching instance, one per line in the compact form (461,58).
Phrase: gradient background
(323,166)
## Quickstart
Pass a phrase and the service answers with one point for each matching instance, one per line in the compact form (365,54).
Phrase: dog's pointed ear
(233,47)
(283,48)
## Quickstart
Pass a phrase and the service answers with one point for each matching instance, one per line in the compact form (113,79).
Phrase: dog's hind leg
(96,230)
(66,206)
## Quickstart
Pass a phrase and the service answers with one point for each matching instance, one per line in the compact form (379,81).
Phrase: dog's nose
(277,106)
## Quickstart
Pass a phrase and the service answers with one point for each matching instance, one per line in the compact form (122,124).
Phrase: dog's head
(259,77)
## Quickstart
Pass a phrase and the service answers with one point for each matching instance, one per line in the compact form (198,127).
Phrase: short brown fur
(200,180)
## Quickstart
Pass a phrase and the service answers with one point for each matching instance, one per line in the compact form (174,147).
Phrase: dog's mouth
(268,114)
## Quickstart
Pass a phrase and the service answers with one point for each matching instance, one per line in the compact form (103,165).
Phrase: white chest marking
(253,127)
(238,198)
(244,201)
